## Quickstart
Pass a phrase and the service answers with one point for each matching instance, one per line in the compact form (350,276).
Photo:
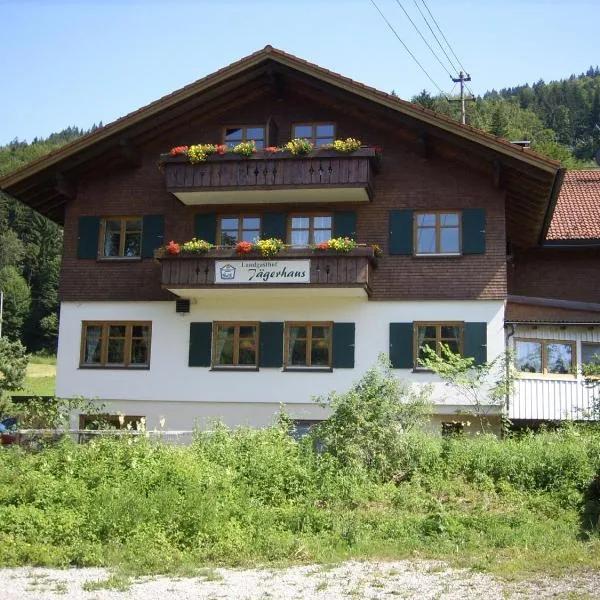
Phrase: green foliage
(559,118)
(369,420)
(246,497)
(17,301)
(484,387)
(13,367)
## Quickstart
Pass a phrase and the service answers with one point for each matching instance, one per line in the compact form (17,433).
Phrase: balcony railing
(296,268)
(321,176)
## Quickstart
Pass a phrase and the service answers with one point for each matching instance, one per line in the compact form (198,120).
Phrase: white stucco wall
(169,384)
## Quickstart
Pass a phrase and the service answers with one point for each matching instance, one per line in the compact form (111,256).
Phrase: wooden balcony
(321,176)
(347,274)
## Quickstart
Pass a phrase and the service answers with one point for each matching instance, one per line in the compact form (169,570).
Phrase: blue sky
(82,62)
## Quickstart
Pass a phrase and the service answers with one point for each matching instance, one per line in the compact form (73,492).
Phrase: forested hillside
(560,118)
(30,253)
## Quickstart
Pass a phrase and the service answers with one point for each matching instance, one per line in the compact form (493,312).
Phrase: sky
(80,62)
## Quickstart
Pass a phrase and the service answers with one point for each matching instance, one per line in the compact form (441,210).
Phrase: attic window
(319,134)
(245,133)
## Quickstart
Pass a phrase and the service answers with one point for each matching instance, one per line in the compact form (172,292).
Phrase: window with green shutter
(401,232)
(271,345)
(344,224)
(401,345)
(205,227)
(88,231)
(200,344)
(343,345)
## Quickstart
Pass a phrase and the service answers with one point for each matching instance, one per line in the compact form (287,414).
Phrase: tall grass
(246,497)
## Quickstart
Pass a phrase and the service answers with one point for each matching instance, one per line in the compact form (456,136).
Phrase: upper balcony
(320,176)
(297,269)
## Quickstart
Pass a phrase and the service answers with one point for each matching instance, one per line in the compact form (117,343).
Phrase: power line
(423,38)
(454,68)
(442,34)
(406,48)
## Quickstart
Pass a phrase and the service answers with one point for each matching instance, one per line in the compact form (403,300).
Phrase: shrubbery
(367,483)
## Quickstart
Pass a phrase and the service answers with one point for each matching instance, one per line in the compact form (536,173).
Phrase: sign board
(262,271)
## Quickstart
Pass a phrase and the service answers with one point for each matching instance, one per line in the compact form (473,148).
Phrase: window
(452,428)
(235,135)
(234,229)
(305,230)
(590,353)
(115,344)
(318,133)
(105,421)
(121,237)
(235,345)
(545,356)
(308,345)
(437,233)
(433,335)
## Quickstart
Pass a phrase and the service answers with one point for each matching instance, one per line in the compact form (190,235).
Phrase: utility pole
(462,77)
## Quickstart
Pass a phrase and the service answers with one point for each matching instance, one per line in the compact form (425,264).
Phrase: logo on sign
(227,272)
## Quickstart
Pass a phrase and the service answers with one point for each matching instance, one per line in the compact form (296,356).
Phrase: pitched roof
(577,212)
(268,52)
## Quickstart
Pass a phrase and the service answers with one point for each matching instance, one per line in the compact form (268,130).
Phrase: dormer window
(319,134)
(245,133)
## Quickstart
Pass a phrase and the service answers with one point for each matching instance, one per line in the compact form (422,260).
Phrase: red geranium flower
(173,248)
(243,247)
(221,148)
(178,150)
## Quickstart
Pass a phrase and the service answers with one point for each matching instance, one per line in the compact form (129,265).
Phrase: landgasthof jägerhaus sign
(262,271)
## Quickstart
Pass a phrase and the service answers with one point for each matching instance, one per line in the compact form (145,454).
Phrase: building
(553,309)
(184,338)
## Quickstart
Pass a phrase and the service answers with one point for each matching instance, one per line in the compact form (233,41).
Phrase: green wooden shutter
(344,224)
(200,344)
(274,225)
(88,230)
(343,345)
(153,227)
(401,232)
(401,345)
(271,345)
(475,342)
(473,231)
(205,227)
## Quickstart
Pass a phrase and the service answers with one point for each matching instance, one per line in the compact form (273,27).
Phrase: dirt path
(352,580)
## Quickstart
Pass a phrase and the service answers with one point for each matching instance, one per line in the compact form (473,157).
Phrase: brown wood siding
(405,180)
(550,273)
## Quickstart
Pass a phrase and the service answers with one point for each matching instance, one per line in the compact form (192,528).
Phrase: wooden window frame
(308,356)
(438,338)
(236,345)
(240,229)
(245,137)
(544,372)
(104,337)
(102,237)
(311,225)
(438,229)
(313,135)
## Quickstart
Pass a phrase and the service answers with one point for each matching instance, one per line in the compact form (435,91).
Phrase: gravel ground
(373,580)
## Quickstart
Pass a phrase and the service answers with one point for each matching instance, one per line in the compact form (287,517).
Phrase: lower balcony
(342,274)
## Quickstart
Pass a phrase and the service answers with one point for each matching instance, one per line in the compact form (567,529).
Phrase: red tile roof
(577,212)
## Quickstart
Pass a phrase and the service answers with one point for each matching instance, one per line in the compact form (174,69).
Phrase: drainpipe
(511,327)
